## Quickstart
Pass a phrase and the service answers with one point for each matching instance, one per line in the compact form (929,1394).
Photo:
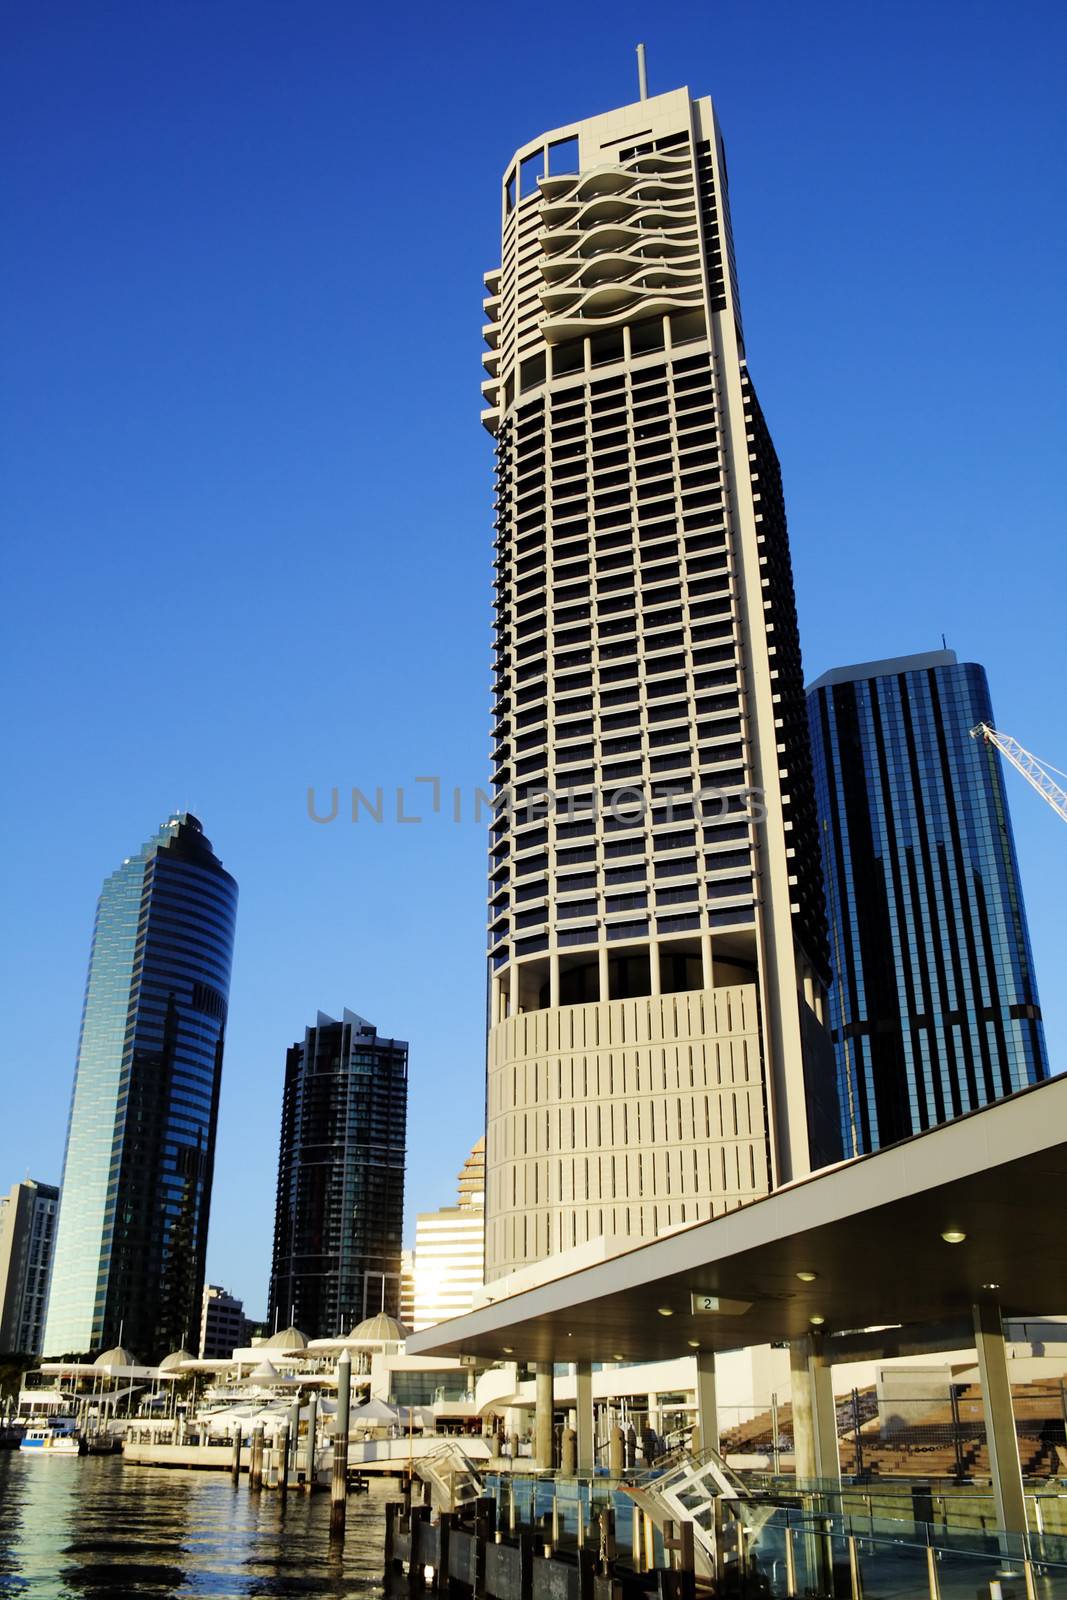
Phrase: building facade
(450,1249)
(407,1288)
(657,945)
(339,1216)
(133,1216)
(224,1327)
(27,1237)
(934,1008)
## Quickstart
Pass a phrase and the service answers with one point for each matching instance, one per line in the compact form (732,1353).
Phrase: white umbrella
(374,1413)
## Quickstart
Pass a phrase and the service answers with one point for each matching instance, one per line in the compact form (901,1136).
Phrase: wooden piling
(236,1468)
(311,1452)
(255,1464)
(281,1457)
(339,1481)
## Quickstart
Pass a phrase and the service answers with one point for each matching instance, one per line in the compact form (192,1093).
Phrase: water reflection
(92,1529)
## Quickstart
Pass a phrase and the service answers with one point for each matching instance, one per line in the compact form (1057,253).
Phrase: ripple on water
(92,1529)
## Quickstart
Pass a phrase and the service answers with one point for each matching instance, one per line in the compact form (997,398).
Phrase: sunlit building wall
(450,1249)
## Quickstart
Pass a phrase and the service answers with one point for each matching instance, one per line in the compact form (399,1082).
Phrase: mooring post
(281,1456)
(445,1523)
(310,1455)
(420,1517)
(236,1468)
(616,1453)
(339,1482)
(527,1552)
(255,1464)
(294,1438)
(607,1541)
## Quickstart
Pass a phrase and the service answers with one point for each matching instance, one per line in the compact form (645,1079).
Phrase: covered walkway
(957,1228)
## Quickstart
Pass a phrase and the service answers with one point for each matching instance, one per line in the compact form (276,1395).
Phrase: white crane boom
(1027,764)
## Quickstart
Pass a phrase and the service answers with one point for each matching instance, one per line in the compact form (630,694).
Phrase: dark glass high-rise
(934,1008)
(340,1208)
(133,1219)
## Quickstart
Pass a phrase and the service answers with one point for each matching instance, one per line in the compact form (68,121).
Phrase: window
(530,170)
(509,192)
(563,157)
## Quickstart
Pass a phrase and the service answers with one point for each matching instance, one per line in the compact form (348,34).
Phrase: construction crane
(1027,764)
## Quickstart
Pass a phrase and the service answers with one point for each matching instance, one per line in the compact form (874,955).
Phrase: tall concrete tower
(657,947)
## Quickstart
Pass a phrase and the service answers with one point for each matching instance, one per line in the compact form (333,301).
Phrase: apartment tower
(934,1008)
(657,944)
(340,1206)
(27,1235)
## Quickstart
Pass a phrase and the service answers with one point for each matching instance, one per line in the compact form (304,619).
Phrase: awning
(870,1233)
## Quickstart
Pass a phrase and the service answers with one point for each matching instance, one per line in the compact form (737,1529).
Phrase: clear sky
(247,497)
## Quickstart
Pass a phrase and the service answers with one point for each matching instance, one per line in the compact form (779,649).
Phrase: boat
(58,1437)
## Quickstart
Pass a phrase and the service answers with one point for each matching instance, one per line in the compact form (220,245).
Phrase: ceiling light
(618,1357)
(816,1322)
(991,1286)
(694,1344)
(953,1235)
(509,1350)
(807,1276)
(665,1311)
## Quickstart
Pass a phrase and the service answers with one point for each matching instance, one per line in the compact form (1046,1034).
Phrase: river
(90,1528)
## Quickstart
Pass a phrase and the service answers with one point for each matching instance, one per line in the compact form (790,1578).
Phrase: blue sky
(247,497)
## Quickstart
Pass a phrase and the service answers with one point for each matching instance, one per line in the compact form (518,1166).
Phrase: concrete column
(707,1400)
(602,958)
(824,1416)
(553,980)
(584,1408)
(543,1411)
(803,1420)
(653,967)
(705,961)
(1004,1469)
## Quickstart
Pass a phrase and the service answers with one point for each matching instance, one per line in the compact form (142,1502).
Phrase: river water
(90,1528)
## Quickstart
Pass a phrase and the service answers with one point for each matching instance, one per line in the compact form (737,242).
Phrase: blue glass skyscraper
(133,1215)
(933,1008)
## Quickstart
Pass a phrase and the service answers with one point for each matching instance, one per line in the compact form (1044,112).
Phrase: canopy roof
(870,1232)
(288,1339)
(381,1329)
(115,1357)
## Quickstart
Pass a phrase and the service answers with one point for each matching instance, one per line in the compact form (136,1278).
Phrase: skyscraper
(133,1215)
(450,1249)
(934,1006)
(340,1209)
(657,944)
(27,1237)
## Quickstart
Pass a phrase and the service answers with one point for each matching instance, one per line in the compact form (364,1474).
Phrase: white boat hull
(51,1446)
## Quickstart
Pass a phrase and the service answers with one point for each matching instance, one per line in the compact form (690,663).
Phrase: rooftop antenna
(642,74)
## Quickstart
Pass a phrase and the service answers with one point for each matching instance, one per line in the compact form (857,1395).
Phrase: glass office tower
(133,1215)
(340,1208)
(933,1007)
(657,942)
